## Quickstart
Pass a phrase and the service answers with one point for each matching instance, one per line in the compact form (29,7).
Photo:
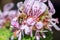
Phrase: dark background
(56,4)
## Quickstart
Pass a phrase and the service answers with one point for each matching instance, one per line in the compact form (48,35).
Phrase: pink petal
(28,4)
(30,21)
(26,28)
(37,36)
(38,8)
(43,0)
(39,25)
(19,4)
(52,10)
(15,23)
(8,6)
(43,35)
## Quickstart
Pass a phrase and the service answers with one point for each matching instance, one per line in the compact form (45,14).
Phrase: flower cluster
(32,15)
(35,16)
(7,14)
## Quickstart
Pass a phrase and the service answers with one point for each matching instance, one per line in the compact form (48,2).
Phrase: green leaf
(5,34)
(48,36)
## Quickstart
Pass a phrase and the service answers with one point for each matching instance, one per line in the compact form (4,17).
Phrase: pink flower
(15,23)
(26,29)
(12,14)
(37,8)
(37,35)
(34,8)
(39,25)
(28,5)
(19,4)
(30,21)
(52,10)
(8,6)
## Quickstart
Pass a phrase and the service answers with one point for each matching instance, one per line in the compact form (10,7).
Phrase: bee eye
(20,11)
